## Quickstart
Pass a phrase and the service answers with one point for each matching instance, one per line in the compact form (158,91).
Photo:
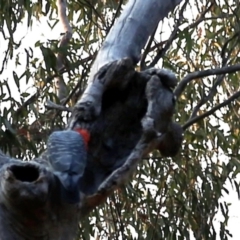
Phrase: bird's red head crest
(85,134)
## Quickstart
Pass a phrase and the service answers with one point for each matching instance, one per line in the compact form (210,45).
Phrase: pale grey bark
(60,85)
(126,39)
(29,203)
(131,31)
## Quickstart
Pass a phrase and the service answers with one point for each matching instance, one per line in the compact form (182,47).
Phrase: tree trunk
(121,109)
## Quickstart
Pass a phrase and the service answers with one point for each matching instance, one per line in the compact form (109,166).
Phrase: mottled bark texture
(135,118)
(127,113)
(30,204)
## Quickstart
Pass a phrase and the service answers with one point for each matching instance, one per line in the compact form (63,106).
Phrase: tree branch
(207,97)
(219,80)
(116,14)
(205,73)
(210,112)
(136,30)
(133,27)
(51,105)
(60,84)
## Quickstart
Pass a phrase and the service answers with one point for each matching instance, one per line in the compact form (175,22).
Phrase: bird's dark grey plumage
(66,152)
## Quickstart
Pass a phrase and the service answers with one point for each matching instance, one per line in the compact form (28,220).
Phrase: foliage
(168,198)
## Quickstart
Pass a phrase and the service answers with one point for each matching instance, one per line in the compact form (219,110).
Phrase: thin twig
(213,90)
(92,8)
(201,17)
(5,59)
(210,112)
(74,90)
(51,105)
(114,220)
(116,15)
(35,96)
(224,48)
(147,50)
(209,96)
(162,51)
(173,36)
